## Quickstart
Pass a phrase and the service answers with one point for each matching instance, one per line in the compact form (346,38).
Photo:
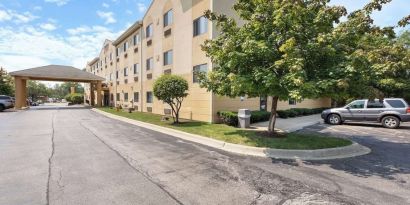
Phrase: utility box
(244,118)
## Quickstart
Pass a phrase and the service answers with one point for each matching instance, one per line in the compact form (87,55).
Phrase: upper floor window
(148,31)
(168,18)
(200,26)
(125,97)
(136,69)
(125,46)
(110,76)
(203,68)
(150,63)
(136,96)
(168,58)
(125,71)
(116,74)
(136,39)
(111,56)
(118,51)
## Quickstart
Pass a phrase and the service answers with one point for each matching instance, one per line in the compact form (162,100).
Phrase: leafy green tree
(37,89)
(372,62)
(171,89)
(6,83)
(276,50)
(299,49)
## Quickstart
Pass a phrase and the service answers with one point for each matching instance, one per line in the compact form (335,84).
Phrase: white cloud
(18,62)
(37,8)
(129,12)
(4,16)
(48,26)
(58,2)
(141,7)
(107,16)
(25,17)
(105,5)
(28,46)
(86,29)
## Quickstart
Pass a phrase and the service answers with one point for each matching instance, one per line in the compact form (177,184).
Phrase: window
(396,103)
(359,104)
(197,70)
(149,97)
(118,97)
(375,104)
(168,58)
(125,97)
(168,18)
(111,56)
(148,31)
(150,63)
(200,26)
(116,74)
(110,76)
(118,51)
(125,46)
(136,96)
(136,68)
(125,71)
(136,39)
(292,101)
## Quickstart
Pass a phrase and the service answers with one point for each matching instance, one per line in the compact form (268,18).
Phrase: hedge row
(231,118)
(294,112)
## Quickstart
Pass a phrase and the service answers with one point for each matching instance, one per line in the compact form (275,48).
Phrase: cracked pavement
(81,157)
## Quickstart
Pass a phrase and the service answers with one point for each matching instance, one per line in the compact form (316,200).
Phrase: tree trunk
(272,118)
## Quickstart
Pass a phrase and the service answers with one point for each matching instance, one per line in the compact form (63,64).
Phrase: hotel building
(168,41)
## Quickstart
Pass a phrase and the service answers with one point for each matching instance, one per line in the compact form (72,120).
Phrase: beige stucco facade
(179,38)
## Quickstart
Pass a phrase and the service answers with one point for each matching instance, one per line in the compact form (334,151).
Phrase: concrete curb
(321,154)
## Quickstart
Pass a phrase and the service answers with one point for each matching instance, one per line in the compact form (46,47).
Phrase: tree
(6,83)
(171,89)
(37,90)
(278,50)
(299,49)
(372,61)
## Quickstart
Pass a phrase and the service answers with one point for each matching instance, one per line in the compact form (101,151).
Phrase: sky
(71,32)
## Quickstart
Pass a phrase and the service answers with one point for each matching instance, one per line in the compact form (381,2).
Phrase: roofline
(146,12)
(94,60)
(128,32)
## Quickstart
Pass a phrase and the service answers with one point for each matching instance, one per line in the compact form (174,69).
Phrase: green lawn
(239,136)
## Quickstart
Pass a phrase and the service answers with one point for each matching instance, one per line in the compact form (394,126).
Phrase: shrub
(259,116)
(75,98)
(292,113)
(229,117)
(283,113)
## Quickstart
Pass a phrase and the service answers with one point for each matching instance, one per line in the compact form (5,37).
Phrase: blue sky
(71,32)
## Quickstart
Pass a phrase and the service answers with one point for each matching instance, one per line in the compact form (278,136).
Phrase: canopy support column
(21,92)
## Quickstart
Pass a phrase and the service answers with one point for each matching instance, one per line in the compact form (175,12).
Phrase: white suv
(6,102)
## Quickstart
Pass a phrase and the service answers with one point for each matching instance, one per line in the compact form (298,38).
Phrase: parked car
(6,102)
(389,112)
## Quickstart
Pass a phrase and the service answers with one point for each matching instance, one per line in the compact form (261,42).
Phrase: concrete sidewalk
(290,124)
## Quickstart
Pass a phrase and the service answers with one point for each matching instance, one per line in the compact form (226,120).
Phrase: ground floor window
(118,97)
(126,97)
(149,97)
(136,96)
(292,101)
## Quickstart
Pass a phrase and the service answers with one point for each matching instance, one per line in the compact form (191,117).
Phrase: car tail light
(408,110)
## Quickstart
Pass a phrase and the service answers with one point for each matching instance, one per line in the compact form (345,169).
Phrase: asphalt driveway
(80,157)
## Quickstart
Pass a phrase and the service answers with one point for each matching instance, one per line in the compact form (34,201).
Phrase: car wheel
(390,122)
(334,119)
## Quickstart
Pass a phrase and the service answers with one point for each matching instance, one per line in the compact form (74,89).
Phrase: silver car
(6,102)
(389,111)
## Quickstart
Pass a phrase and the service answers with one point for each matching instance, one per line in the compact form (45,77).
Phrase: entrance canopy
(54,73)
(57,73)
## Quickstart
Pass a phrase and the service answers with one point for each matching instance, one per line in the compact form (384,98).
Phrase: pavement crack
(50,159)
(146,175)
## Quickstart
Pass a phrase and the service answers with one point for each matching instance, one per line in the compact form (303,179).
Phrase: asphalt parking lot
(77,156)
